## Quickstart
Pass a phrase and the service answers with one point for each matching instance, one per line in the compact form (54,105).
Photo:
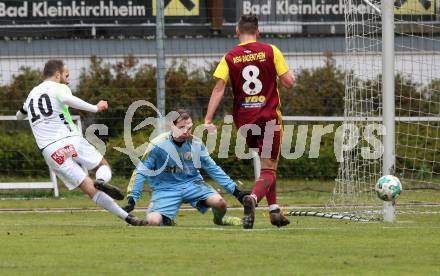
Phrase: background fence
(110,49)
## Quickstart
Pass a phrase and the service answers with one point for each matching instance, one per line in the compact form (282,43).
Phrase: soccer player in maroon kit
(253,69)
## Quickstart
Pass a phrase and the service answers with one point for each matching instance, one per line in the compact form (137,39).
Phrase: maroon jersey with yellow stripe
(253,69)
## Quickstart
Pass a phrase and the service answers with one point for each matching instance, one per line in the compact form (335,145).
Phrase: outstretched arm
(138,186)
(134,190)
(75,102)
(218,175)
(221,73)
(140,174)
(214,171)
(216,97)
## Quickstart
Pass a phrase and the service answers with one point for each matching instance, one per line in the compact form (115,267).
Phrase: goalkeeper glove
(240,194)
(130,206)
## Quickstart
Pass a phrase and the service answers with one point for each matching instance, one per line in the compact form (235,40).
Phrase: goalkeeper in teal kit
(171,167)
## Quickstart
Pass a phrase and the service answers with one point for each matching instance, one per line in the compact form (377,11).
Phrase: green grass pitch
(96,243)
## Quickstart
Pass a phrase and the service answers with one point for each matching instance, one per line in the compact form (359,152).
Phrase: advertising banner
(323,16)
(323,10)
(13,12)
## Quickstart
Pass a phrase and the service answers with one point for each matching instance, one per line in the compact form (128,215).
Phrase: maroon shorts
(268,142)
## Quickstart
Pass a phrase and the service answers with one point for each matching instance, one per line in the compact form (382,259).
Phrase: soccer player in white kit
(60,142)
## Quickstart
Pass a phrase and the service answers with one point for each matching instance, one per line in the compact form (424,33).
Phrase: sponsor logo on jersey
(255,99)
(173,169)
(253,102)
(61,154)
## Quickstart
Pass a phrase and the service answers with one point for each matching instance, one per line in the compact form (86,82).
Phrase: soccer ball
(388,188)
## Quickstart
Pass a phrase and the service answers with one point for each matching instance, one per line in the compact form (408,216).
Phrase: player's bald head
(248,24)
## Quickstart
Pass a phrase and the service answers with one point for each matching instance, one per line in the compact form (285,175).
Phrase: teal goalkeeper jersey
(167,166)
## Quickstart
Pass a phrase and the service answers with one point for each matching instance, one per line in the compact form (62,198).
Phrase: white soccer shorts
(66,156)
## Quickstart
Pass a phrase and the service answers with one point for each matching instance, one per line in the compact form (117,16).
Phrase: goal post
(388,96)
(51,184)
(392,65)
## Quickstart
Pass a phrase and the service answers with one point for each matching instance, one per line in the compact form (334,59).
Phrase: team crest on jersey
(187,155)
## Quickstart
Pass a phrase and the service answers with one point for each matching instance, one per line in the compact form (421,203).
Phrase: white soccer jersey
(49,118)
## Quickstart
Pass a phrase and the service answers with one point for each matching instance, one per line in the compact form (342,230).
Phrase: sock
(221,219)
(264,183)
(104,173)
(271,195)
(255,197)
(218,215)
(236,192)
(273,207)
(106,202)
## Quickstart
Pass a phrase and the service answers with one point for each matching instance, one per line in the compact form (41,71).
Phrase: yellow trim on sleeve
(132,180)
(222,70)
(134,174)
(280,62)
(280,119)
(131,183)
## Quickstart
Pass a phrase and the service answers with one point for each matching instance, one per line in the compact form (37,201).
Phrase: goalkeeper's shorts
(167,202)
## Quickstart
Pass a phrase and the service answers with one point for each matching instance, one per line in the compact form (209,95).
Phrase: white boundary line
(225,229)
(190,209)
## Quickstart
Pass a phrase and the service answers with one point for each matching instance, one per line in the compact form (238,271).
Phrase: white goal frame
(52,184)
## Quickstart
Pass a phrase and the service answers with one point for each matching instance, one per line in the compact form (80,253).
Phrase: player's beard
(64,81)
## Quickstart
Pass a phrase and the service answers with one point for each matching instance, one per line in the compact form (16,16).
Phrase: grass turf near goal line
(96,242)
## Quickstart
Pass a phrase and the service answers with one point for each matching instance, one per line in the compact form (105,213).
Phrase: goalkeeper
(170,165)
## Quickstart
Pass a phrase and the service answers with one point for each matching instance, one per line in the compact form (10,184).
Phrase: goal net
(417,106)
